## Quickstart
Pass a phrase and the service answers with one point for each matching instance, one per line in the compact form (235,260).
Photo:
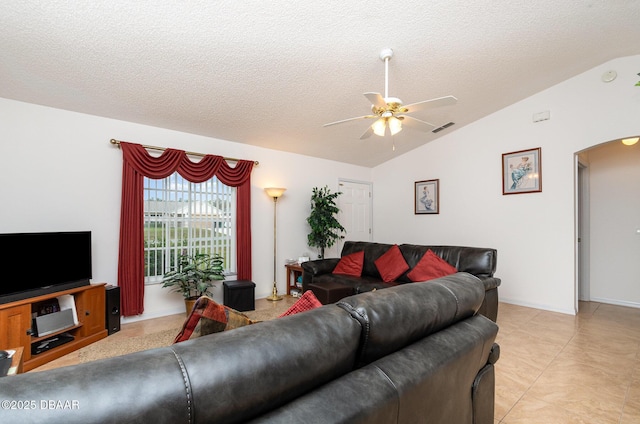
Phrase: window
(184,217)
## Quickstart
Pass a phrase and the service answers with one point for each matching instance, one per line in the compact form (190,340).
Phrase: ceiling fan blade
(376,99)
(416,124)
(368,133)
(428,104)
(349,119)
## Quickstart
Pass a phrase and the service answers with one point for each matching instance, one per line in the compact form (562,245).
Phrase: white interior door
(355,211)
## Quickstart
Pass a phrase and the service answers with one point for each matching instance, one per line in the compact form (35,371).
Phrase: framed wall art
(427,197)
(522,171)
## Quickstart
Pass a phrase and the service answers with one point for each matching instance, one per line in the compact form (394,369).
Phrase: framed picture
(522,171)
(427,197)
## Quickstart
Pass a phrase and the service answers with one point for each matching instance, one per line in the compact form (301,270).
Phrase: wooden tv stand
(16,322)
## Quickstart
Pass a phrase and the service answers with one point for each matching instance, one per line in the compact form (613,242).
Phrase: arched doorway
(608,224)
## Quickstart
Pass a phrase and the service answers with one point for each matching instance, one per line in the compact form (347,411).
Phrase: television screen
(41,263)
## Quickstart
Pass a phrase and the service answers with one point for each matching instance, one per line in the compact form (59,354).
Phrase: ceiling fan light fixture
(391,112)
(395,125)
(379,127)
(630,141)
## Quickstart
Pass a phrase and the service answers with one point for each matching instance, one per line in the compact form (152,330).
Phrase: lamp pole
(275,193)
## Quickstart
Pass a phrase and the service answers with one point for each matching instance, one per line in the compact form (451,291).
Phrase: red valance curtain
(137,164)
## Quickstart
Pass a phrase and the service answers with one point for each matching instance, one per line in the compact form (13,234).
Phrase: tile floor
(553,368)
(558,368)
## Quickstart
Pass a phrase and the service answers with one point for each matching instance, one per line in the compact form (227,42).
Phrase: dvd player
(50,343)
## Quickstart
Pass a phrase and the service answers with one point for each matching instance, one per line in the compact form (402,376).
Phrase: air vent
(445,126)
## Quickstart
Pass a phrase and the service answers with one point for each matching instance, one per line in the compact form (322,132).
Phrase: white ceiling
(271,73)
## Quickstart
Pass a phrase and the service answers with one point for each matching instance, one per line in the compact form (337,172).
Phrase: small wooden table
(293,272)
(16,361)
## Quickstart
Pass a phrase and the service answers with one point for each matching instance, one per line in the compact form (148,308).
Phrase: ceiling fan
(389,112)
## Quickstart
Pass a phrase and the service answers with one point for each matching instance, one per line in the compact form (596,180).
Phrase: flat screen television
(33,264)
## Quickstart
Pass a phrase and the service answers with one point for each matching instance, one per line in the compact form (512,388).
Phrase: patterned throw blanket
(208,310)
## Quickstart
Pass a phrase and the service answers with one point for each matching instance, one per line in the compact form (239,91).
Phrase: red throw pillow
(431,266)
(307,302)
(391,264)
(351,264)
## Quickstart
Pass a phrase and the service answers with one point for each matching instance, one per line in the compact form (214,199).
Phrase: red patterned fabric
(350,264)
(307,302)
(391,264)
(208,317)
(137,164)
(431,266)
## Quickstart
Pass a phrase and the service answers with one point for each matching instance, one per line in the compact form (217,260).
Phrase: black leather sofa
(329,287)
(412,353)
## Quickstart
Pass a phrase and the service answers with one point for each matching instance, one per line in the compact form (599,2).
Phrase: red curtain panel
(137,164)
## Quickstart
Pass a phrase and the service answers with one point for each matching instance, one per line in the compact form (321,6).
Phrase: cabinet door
(91,310)
(14,324)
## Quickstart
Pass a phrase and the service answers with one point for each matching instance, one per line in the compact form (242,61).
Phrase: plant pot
(189,304)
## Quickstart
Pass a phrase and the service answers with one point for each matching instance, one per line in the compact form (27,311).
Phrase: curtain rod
(162,149)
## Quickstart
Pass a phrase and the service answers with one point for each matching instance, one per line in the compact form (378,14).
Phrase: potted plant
(325,228)
(194,276)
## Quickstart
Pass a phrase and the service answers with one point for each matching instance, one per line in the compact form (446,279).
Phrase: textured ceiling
(271,73)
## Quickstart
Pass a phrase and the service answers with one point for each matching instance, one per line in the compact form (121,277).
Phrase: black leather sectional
(329,287)
(407,354)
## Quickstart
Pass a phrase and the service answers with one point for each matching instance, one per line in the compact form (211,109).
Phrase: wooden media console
(16,324)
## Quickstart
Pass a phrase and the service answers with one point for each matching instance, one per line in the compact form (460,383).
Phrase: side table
(16,361)
(294,272)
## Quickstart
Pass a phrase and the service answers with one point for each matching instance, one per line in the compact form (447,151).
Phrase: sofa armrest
(494,354)
(317,267)
(490,283)
(320,266)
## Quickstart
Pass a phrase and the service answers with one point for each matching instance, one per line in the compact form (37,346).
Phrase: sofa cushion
(478,261)
(372,251)
(391,264)
(209,317)
(398,316)
(238,375)
(307,302)
(350,264)
(431,266)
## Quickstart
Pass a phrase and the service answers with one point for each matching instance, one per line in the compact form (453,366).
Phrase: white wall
(533,233)
(60,172)
(614,209)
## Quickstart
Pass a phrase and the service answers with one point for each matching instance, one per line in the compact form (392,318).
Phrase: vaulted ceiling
(271,73)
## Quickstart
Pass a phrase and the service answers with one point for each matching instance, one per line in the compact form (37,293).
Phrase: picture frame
(427,197)
(522,171)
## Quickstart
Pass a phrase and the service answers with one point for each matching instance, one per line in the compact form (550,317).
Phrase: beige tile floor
(558,368)
(553,368)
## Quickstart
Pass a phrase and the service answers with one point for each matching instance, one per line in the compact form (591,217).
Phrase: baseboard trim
(615,302)
(126,320)
(535,306)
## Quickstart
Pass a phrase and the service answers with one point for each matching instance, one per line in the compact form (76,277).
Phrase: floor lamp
(275,193)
